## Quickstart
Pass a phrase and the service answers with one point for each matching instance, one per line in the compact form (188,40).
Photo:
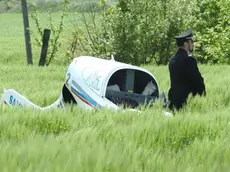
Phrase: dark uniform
(185,77)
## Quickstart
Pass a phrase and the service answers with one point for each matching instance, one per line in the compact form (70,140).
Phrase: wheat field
(195,139)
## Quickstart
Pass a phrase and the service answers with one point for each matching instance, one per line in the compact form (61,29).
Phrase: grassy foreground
(196,139)
(76,140)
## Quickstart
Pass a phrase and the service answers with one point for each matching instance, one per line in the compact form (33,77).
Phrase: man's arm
(194,76)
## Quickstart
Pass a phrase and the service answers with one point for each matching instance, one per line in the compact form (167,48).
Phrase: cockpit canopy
(131,87)
(118,82)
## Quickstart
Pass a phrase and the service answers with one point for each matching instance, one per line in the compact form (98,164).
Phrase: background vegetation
(196,139)
(135,31)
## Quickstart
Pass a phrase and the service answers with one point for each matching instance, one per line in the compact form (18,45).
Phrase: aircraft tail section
(11,97)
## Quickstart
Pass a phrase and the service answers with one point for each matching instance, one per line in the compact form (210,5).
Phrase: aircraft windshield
(131,87)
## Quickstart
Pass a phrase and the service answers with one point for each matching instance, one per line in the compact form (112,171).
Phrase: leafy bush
(142,32)
(138,32)
(212,27)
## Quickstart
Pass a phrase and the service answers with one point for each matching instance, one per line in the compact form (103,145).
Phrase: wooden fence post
(45,43)
(27,32)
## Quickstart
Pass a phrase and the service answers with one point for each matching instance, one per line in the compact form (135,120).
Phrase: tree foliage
(142,31)
(212,27)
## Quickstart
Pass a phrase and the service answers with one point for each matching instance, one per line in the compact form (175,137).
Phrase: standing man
(185,77)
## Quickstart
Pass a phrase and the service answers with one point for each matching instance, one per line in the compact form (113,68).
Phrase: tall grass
(195,139)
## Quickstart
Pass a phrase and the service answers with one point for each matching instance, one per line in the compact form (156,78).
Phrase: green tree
(212,26)
(137,31)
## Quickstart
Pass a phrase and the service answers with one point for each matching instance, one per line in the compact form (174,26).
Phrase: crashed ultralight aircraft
(93,82)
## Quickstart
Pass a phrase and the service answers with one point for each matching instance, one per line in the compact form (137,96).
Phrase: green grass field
(196,139)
